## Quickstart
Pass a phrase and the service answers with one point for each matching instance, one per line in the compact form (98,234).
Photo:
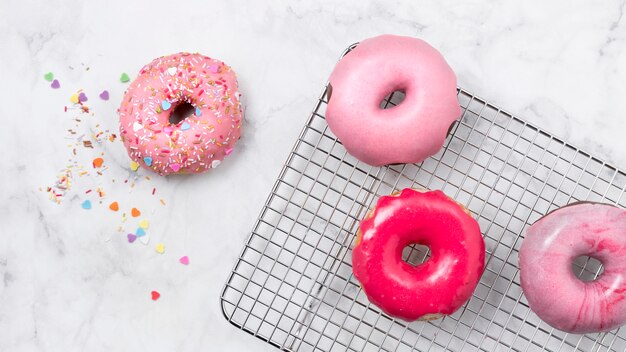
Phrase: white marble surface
(69,281)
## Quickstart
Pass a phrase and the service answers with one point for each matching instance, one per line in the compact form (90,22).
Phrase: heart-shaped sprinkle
(124,77)
(198,111)
(140,232)
(147,160)
(144,240)
(82,97)
(114,206)
(171,71)
(214,68)
(131,237)
(134,166)
(97,162)
(155,295)
(160,248)
(215,163)
(175,167)
(74,98)
(227,151)
(55,84)
(137,126)
(185,126)
(168,129)
(104,95)
(165,104)
(184,260)
(86,205)
(48,76)
(134,212)
(144,224)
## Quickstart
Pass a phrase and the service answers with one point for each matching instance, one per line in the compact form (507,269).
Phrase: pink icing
(194,144)
(409,132)
(553,291)
(434,288)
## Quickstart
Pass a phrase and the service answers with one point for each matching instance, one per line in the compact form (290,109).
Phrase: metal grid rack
(293,285)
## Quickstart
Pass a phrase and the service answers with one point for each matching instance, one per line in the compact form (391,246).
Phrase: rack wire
(293,285)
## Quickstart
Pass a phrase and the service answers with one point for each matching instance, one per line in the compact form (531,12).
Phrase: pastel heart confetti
(171,71)
(214,68)
(55,84)
(160,248)
(134,166)
(114,206)
(227,151)
(137,126)
(74,98)
(166,104)
(144,224)
(140,232)
(144,240)
(184,260)
(97,162)
(48,76)
(198,111)
(175,167)
(104,95)
(131,237)
(155,295)
(86,205)
(82,97)
(134,212)
(124,78)
(147,160)
(185,126)
(215,163)
(168,129)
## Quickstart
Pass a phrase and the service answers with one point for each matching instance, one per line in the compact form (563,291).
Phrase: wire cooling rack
(293,285)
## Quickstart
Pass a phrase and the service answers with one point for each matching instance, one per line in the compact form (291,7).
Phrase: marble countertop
(69,279)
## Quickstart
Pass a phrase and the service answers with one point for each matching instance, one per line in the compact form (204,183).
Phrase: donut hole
(587,268)
(415,254)
(181,112)
(392,99)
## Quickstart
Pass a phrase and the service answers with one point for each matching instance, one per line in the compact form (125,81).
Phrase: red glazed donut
(434,288)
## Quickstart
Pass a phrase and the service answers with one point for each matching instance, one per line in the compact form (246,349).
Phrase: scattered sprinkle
(147,160)
(137,126)
(140,232)
(198,111)
(155,295)
(134,212)
(144,240)
(48,76)
(166,104)
(144,224)
(86,204)
(215,163)
(213,68)
(171,71)
(168,129)
(134,166)
(97,162)
(184,260)
(114,206)
(185,126)
(55,84)
(175,167)
(124,77)
(104,95)
(131,237)
(160,248)
(74,99)
(82,97)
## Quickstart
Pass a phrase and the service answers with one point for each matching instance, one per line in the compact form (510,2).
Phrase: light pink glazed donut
(200,92)
(545,258)
(409,132)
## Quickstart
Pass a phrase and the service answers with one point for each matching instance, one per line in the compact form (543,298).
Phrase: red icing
(440,285)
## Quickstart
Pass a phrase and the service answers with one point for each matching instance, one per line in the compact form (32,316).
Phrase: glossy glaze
(409,132)
(548,282)
(434,288)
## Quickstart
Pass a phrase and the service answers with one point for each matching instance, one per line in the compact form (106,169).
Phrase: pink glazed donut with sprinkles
(182,114)
(553,292)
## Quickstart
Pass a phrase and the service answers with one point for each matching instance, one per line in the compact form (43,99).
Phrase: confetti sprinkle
(215,163)
(134,212)
(97,162)
(48,76)
(147,160)
(155,295)
(134,166)
(166,104)
(144,240)
(74,99)
(131,237)
(124,77)
(86,205)
(82,97)
(168,129)
(137,126)
(160,248)
(185,126)
(114,206)
(175,167)
(213,68)
(55,84)
(198,111)
(228,151)
(171,71)
(144,224)
(140,232)
(104,95)
(184,260)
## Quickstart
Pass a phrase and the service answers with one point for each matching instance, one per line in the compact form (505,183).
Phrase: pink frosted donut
(409,132)
(554,293)
(181,114)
